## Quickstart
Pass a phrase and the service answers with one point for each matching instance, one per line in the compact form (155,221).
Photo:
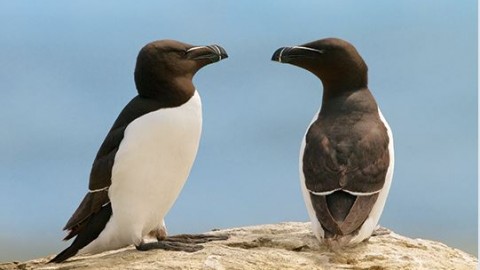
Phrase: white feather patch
(151,166)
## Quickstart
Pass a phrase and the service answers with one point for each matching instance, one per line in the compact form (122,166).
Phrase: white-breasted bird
(146,156)
(346,157)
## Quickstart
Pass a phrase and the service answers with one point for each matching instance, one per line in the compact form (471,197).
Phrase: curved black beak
(214,53)
(287,54)
(277,55)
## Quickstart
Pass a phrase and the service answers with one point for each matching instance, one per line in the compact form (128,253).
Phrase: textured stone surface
(288,245)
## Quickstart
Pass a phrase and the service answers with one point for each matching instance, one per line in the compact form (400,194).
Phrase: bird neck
(343,79)
(347,100)
(171,93)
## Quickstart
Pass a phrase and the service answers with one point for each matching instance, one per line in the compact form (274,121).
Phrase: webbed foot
(381,231)
(196,238)
(169,245)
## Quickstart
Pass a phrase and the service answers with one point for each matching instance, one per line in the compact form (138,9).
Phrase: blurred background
(66,71)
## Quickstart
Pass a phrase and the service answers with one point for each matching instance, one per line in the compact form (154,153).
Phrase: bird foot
(196,238)
(181,242)
(381,231)
(168,245)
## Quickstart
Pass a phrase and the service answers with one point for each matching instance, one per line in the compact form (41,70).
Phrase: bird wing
(344,172)
(101,173)
(355,160)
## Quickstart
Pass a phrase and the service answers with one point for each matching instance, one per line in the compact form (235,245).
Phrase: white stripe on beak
(218,51)
(308,49)
(280,56)
(195,48)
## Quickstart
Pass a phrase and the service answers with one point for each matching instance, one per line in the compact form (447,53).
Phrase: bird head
(169,64)
(333,60)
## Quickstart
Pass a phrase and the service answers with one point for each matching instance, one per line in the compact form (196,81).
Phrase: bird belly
(151,166)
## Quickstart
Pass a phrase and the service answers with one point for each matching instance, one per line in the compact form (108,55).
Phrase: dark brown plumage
(163,77)
(346,155)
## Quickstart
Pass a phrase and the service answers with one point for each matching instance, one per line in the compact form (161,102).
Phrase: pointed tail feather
(95,225)
(67,253)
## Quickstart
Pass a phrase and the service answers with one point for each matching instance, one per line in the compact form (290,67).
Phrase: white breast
(151,166)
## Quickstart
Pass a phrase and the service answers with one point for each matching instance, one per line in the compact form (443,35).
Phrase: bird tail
(95,225)
(62,256)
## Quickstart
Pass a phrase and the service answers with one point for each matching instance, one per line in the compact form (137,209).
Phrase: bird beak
(287,54)
(214,53)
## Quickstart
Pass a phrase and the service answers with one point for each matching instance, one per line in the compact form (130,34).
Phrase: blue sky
(66,71)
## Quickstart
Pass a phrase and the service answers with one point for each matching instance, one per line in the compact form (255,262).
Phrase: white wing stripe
(325,193)
(97,190)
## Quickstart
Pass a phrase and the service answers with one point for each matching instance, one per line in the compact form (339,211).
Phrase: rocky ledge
(289,245)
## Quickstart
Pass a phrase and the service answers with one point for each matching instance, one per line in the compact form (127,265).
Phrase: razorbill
(346,157)
(146,156)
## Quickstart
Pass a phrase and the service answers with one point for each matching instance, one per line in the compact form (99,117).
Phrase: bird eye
(181,52)
(177,51)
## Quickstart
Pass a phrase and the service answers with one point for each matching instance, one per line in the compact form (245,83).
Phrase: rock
(288,245)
